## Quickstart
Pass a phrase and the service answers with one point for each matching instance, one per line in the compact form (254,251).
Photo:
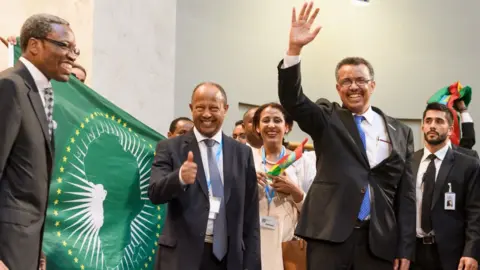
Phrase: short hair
(76,65)
(239,122)
(175,121)
(435,106)
(218,86)
(258,113)
(38,26)
(249,110)
(355,61)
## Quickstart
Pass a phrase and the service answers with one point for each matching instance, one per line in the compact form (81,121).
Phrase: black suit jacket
(332,204)
(465,151)
(457,232)
(182,240)
(26,157)
(468,136)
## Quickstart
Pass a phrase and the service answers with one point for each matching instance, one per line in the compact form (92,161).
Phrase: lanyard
(217,158)
(269,191)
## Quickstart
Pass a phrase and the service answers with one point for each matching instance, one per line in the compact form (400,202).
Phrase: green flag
(99,215)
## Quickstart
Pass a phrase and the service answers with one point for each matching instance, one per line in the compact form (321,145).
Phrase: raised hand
(300,31)
(188,170)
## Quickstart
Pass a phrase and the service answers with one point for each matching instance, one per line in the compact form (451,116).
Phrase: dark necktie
(220,223)
(365,207)
(427,197)
(48,98)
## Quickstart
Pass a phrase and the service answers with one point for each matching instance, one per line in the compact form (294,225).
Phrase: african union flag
(99,215)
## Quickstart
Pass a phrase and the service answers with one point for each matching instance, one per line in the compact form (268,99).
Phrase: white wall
(134,58)
(416,48)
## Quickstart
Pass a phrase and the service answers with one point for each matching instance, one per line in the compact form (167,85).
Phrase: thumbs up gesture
(188,171)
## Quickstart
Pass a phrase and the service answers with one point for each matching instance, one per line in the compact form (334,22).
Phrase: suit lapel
(347,119)
(228,153)
(36,101)
(192,145)
(442,175)
(391,131)
(417,158)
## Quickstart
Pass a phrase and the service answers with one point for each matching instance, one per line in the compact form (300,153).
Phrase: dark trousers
(210,262)
(353,254)
(426,257)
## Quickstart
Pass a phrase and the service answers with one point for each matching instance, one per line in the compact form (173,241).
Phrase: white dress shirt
(40,80)
(204,153)
(422,168)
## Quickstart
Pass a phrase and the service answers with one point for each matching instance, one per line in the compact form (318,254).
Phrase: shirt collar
(200,137)
(40,80)
(449,143)
(369,114)
(440,154)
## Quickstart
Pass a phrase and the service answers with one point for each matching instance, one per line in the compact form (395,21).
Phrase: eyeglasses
(359,82)
(62,45)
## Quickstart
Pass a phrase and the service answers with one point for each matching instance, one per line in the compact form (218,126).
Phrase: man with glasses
(27,136)
(360,210)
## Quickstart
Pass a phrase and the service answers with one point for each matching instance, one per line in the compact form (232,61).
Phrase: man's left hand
(401,264)
(467,263)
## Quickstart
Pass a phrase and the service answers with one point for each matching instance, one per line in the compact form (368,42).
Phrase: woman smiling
(281,197)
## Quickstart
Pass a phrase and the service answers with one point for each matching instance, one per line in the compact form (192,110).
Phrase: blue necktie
(365,207)
(220,223)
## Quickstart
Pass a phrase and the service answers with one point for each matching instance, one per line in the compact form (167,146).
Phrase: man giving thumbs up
(209,182)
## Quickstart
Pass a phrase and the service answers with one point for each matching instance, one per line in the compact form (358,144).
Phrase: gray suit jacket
(26,157)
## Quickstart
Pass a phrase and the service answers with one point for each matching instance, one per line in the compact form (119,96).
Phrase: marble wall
(78,12)
(134,57)
(127,47)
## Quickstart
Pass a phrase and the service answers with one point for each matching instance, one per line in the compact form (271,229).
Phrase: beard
(441,138)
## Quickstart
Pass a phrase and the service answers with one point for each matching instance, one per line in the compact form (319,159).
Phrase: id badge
(449,198)
(215,204)
(268,222)
(449,201)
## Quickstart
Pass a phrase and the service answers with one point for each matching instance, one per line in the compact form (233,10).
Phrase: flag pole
(11,55)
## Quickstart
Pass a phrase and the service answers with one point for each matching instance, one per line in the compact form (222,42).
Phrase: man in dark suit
(360,210)
(448,198)
(209,182)
(26,136)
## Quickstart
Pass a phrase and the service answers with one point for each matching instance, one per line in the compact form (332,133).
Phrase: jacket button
(363,190)
(202,234)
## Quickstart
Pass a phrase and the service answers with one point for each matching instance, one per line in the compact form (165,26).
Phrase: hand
(467,263)
(262,179)
(459,104)
(3,266)
(283,184)
(189,170)
(401,264)
(12,40)
(43,262)
(300,34)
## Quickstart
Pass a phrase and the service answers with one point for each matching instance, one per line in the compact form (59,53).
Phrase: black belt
(427,240)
